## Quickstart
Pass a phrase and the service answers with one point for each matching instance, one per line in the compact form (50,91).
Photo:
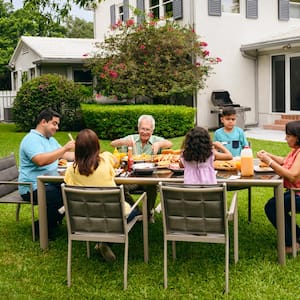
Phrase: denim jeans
(270,210)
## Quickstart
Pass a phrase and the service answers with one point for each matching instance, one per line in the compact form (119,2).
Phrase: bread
(263,165)
(62,162)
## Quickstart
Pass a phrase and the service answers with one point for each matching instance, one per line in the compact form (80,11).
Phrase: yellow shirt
(104,175)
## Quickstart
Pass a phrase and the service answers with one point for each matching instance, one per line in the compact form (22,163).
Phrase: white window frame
(120,15)
(294,9)
(161,7)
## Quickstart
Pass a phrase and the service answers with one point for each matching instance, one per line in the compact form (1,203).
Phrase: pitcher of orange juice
(247,165)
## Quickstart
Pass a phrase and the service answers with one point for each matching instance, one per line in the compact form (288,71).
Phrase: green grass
(198,273)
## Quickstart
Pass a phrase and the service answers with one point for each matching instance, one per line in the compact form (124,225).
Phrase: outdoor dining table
(259,179)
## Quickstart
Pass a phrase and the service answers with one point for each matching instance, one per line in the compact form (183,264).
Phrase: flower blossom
(102,75)
(142,47)
(129,22)
(113,74)
(218,59)
(203,44)
(205,53)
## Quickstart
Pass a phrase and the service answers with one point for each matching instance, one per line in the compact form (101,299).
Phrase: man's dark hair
(228,111)
(47,114)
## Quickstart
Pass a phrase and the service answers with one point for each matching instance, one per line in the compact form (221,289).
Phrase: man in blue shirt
(39,154)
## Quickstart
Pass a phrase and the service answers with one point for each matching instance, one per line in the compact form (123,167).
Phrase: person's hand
(69,146)
(155,147)
(263,156)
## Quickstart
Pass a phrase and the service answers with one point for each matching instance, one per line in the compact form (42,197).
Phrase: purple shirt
(199,172)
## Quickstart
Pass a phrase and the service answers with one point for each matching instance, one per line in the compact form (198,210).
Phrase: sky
(76,11)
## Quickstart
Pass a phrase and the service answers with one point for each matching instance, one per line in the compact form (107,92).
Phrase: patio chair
(98,214)
(9,193)
(293,217)
(198,213)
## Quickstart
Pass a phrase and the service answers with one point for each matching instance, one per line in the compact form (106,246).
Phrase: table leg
(145,230)
(42,207)
(280,223)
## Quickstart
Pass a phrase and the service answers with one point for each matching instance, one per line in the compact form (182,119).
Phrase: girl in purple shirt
(197,157)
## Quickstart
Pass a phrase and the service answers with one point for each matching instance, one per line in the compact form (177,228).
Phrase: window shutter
(126,9)
(214,7)
(140,5)
(251,9)
(112,15)
(177,9)
(283,10)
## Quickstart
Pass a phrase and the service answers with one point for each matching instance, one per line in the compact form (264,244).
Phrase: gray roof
(289,38)
(51,49)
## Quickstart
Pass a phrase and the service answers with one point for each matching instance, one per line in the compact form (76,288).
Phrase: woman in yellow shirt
(92,168)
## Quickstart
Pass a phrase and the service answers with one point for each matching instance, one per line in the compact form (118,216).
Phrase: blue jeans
(270,210)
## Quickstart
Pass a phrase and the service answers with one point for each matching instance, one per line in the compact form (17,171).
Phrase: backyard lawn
(198,273)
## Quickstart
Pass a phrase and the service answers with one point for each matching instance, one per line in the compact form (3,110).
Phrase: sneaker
(106,252)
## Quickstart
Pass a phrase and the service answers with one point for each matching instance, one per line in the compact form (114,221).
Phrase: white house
(35,56)
(258,41)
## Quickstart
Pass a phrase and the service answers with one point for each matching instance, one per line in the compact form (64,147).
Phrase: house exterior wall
(225,34)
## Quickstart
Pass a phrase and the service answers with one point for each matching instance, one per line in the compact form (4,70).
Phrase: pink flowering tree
(157,59)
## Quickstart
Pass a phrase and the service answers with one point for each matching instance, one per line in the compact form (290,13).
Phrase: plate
(177,171)
(143,168)
(64,167)
(225,165)
(262,169)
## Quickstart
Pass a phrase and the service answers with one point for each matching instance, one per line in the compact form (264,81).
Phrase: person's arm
(157,146)
(221,152)
(128,142)
(265,157)
(47,158)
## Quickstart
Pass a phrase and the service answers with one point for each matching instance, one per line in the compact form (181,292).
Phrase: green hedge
(115,121)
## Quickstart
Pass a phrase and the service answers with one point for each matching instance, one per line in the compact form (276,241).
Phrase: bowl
(143,168)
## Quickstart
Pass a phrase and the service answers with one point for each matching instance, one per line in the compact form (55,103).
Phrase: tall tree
(79,28)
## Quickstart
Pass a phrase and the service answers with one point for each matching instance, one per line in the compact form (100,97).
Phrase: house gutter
(255,59)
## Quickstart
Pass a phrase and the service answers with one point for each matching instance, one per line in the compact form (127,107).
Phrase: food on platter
(62,162)
(139,157)
(175,168)
(226,165)
(172,158)
(171,151)
(263,164)
(163,163)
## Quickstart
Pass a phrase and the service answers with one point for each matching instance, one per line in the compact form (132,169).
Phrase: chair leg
(293,217)
(165,263)
(18,212)
(32,222)
(125,264)
(69,262)
(88,251)
(227,265)
(249,204)
(174,250)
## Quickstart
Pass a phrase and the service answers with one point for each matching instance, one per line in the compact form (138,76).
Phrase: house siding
(225,34)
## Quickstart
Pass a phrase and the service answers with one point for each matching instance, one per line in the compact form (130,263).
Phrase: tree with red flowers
(155,59)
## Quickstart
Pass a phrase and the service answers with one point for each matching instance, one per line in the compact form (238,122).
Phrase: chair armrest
(143,197)
(233,207)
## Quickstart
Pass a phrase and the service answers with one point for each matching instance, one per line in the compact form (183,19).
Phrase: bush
(50,90)
(115,121)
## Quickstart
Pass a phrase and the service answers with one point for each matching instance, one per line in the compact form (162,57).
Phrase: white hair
(148,118)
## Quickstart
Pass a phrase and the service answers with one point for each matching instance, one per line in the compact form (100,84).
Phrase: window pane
(168,10)
(231,6)
(154,2)
(294,82)
(278,83)
(295,9)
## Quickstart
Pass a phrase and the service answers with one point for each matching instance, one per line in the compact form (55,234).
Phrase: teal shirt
(147,149)
(234,141)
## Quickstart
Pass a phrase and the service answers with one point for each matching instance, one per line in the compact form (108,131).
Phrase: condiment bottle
(117,156)
(129,159)
(247,166)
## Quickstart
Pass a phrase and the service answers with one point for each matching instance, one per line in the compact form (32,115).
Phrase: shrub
(114,121)
(50,90)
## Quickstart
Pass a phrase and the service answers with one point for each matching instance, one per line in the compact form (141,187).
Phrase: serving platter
(263,169)
(225,165)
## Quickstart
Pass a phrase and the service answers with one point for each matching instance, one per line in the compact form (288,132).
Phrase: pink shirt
(287,164)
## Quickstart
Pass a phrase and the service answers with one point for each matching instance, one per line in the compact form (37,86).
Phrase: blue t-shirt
(234,141)
(35,143)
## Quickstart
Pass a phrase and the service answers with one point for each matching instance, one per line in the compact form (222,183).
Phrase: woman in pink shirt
(288,168)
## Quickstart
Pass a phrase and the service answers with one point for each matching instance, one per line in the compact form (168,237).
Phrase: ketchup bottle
(129,159)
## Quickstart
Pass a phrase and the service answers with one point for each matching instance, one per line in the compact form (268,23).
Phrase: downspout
(192,23)
(255,59)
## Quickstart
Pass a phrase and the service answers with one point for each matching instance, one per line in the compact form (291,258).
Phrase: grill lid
(222,98)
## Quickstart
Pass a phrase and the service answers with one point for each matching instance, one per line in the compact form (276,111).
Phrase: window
(295,9)
(278,83)
(83,77)
(161,8)
(231,6)
(120,13)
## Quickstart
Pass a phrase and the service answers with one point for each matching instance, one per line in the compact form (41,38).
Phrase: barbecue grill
(221,99)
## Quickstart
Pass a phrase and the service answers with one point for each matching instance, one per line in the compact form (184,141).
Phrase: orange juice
(238,165)
(247,166)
